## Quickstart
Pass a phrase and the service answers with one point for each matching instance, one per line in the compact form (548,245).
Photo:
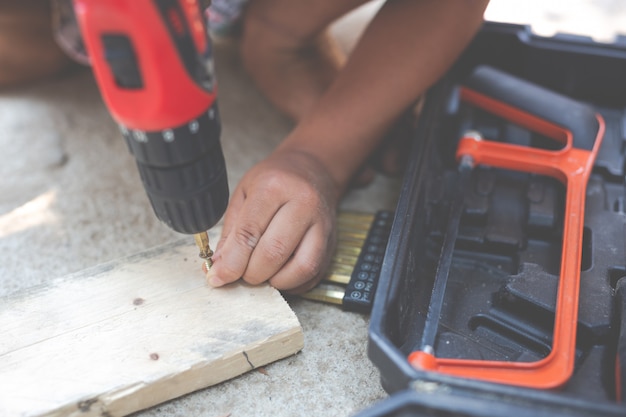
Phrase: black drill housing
(183,172)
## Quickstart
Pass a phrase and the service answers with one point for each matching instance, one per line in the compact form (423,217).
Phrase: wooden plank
(127,335)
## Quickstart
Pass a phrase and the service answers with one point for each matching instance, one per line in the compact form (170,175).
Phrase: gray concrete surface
(70,197)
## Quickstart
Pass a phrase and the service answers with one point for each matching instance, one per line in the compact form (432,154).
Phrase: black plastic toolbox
(500,298)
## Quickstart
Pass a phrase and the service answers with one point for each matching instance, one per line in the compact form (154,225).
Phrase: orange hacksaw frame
(572,167)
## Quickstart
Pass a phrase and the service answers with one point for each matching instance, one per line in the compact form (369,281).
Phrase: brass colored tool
(353,272)
(202,241)
(325,294)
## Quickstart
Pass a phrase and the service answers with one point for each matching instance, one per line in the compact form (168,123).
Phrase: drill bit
(202,241)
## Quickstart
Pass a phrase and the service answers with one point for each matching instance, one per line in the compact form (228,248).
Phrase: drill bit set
(354,270)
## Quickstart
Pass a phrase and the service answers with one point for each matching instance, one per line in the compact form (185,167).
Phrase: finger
(234,205)
(241,239)
(304,270)
(278,243)
(232,212)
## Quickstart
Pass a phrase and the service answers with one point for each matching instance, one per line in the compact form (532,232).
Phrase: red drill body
(152,61)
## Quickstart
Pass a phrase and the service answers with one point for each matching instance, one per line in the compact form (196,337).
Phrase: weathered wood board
(133,333)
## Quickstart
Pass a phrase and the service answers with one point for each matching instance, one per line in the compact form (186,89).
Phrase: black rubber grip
(578,118)
(183,172)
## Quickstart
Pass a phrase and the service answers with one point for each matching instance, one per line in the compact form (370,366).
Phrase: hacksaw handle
(509,93)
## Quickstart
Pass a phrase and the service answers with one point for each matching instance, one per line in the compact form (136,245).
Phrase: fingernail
(213,280)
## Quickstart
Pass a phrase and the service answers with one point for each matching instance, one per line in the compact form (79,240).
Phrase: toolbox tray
(501,291)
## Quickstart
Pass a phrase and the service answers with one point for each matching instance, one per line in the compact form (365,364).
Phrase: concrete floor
(70,197)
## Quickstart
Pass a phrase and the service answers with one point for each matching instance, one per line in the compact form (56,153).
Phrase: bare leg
(28,51)
(289,54)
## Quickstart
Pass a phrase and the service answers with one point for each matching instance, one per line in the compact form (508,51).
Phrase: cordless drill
(152,60)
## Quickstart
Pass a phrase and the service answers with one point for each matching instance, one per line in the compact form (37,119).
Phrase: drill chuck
(183,172)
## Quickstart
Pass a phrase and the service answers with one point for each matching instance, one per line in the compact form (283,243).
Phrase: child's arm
(280,223)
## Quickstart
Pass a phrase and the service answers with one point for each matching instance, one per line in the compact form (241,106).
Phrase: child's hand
(279,225)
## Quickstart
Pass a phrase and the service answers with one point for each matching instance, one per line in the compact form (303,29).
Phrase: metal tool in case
(580,131)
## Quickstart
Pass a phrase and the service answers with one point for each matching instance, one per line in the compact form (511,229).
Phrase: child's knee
(292,24)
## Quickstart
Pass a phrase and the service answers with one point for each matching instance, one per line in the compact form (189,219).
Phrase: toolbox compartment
(500,297)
